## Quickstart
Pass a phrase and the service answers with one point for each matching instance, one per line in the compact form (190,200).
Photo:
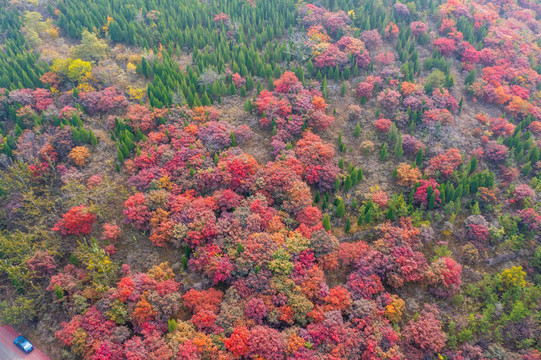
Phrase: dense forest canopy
(271,180)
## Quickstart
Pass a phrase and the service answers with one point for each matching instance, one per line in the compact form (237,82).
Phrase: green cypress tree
(330,73)
(248,105)
(240,248)
(337,184)
(383,152)
(347,183)
(348,225)
(419,157)
(449,194)
(357,131)
(119,155)
(363,100)
(232,89)
(347,73)
(310,67)
(125,150)
(390,214)
(354,175)
(171,325)
(205,100)
(196,100)
(340,208)
(458,192)
(249,83)
(360,175)
(466,190)
(473,165)
(470,79)
(368,216)
(398,150)
(526,169)
(475,209)
(326,222)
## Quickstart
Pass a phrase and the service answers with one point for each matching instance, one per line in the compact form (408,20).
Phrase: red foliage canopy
(423,336)
(383,125)
(77,221)
(444,164)
(445,45)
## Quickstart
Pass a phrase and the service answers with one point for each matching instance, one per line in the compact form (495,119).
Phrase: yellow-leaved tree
(79,155)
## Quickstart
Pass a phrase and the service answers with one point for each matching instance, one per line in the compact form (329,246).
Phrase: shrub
(535,127)
(238,80)
(444,276)
(237,343)
(43,99)
(79,155)
(389,100)
(265,342)
(371,38)
(77,221)
(406,175)
(386,58)
(111,232)
(108,100)
(495,152)
(411,145)
(512,278)
(435,116)
(478,230)
(418,28)
(445,163)
(423,335)
(255,309)
(42,263)
(140,117)
(380,198)
(136,211)
(365,89)
(501,127)
(446,46)
(521,193)
(422,196)
(383,125)
(530,218)
(401,10)
(287,83)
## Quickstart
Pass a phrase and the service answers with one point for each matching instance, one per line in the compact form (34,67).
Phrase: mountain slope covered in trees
(272,180)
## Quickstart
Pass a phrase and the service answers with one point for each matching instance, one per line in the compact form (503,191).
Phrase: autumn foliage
(79,155)
(318,220)
(77,221)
